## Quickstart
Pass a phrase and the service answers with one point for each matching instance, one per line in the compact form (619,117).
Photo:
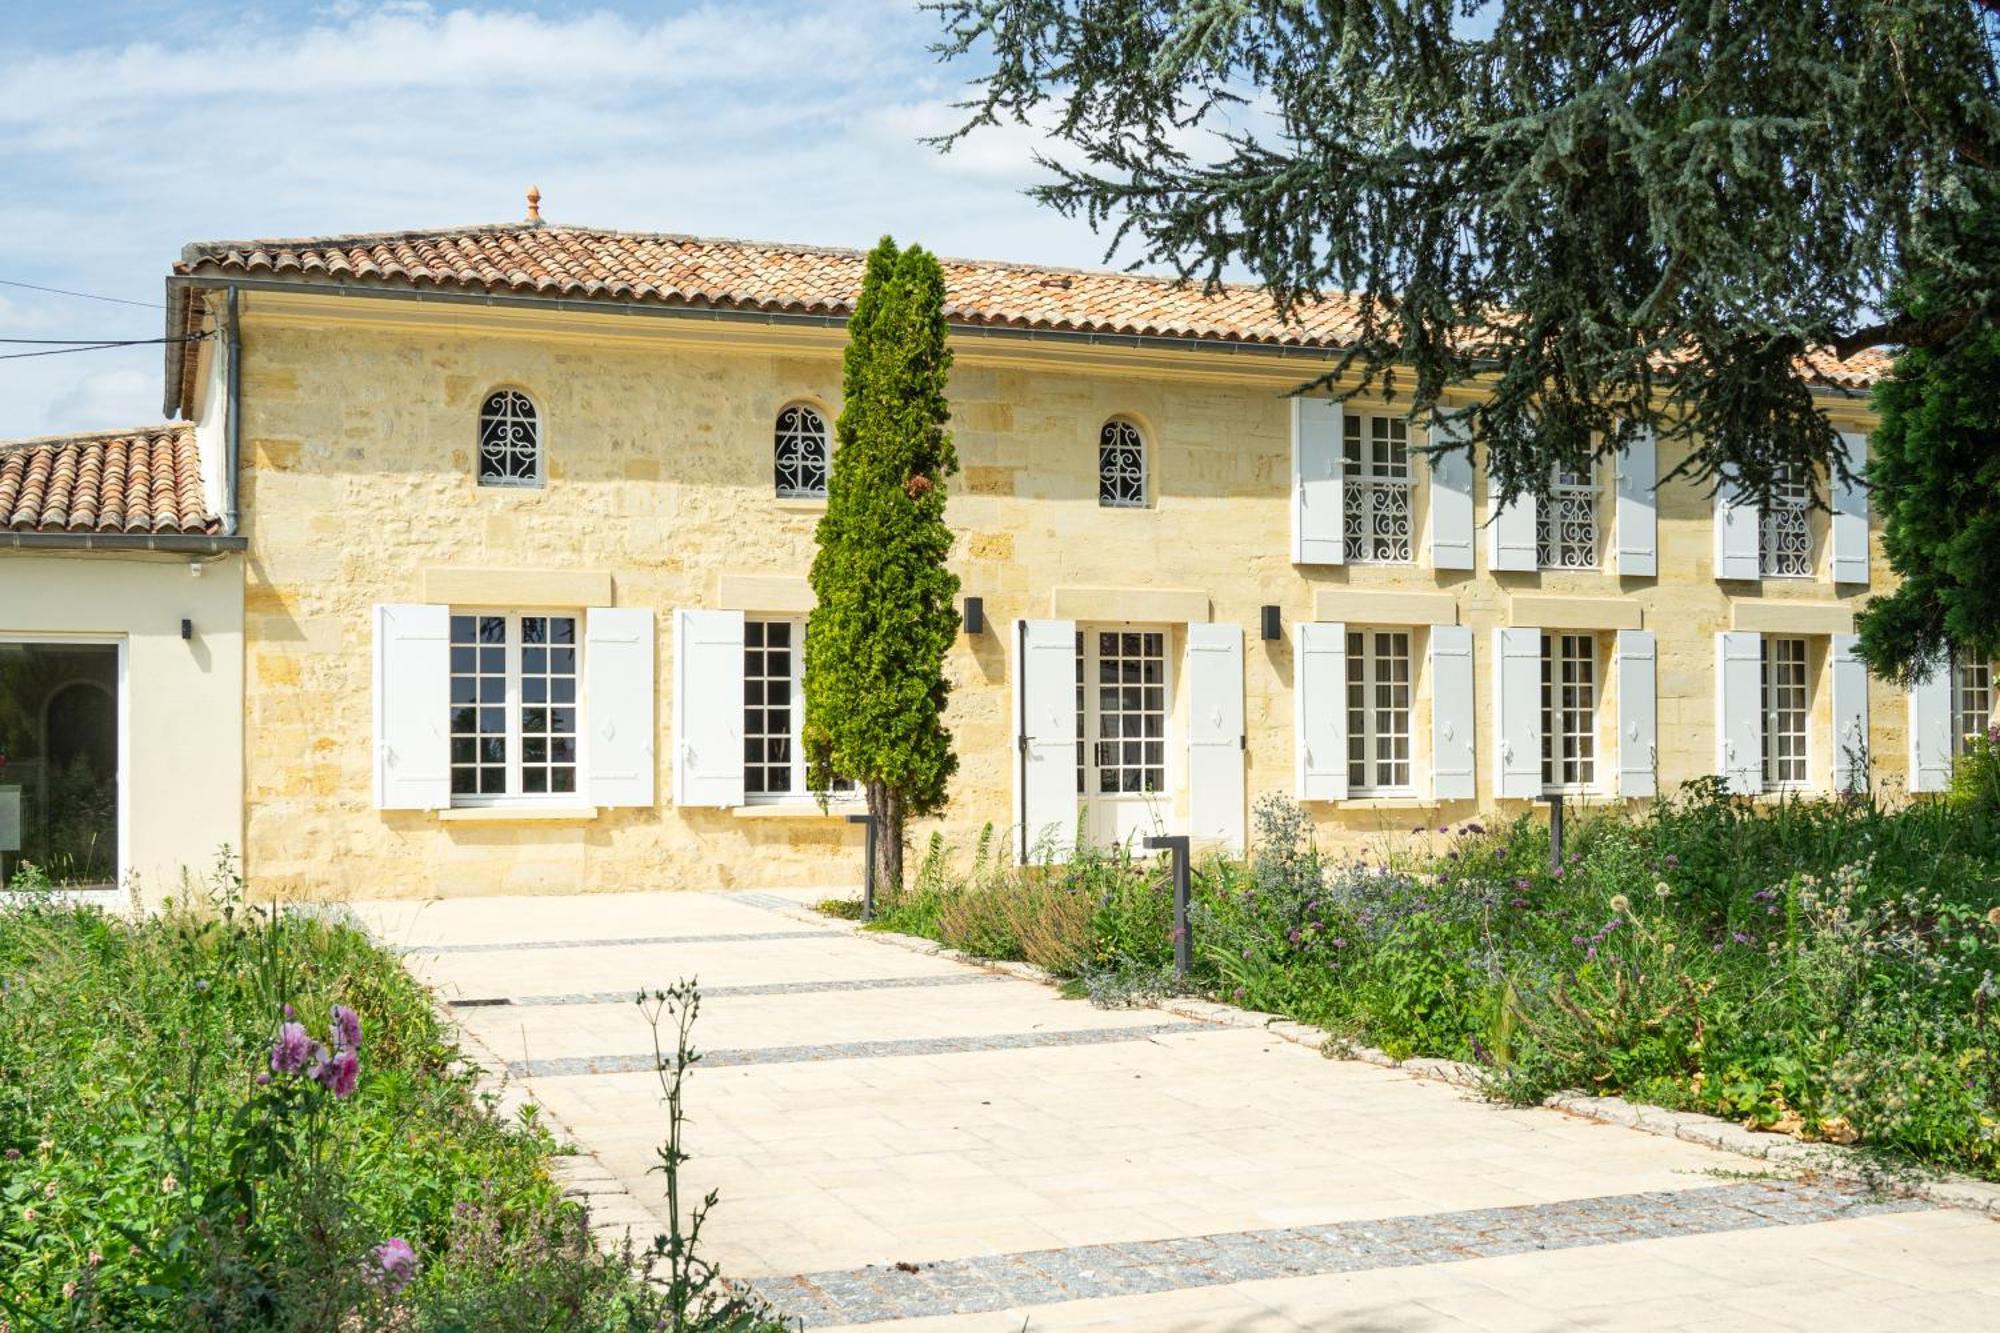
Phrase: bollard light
(1176,845)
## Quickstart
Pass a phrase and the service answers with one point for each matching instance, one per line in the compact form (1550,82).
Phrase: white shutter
(1850,714)
(1452,714)
(1930,731)
(1451,501)
(1739,710)
(1510,530)
(1517,689)
(1736,534)
(1319,708)
(1045,796)
(1850,515)
(1638,517)
(1319,493)
(412,706)
(618,705)
(1638,685)
(708,708)
(1215,736)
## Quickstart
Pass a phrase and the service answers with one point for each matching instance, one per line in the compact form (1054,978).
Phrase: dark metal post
(867,875)
(1555,801)
(1177,847)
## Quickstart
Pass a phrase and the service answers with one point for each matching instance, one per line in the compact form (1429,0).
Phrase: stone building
(528,511)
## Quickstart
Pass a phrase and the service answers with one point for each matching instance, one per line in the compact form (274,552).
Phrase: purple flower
(1443,829)
(1475,827)
(1339,943)
(289,1015)
(1293,937)
(1673,862)
(346,1028)
(1557,873)
(339,1074)
(395,1264)
(1740,937)
(293,1048)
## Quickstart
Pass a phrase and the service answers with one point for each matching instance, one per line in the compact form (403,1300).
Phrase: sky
(132,127)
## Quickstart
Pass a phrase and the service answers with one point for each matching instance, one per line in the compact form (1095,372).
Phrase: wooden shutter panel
(1319,491)
(1739,710)
(708,708)
(618,705)
(1638,516)
(1737,524)
(1510,531)
(1850,714)
(1216,811)
(1319,709)
(1451,501)
(1931,731)
(1453,714)
(1850,516)
(1045,794)
(1638,692)
(412,706)
(1517,689)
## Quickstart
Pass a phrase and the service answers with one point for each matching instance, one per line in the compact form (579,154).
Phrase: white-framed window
(1787,713)
(514,705)
(1378,711)
(1569,711)
(1971,702)
(1376,526)
(774,711)
(802,450)
(1123,712)
(1567,527)
(1785,546)
(510,440)
(1121,465)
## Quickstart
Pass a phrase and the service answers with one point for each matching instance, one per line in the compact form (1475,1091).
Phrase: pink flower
(346,1028)
(292,1050)
(395,1264)
(339,1074)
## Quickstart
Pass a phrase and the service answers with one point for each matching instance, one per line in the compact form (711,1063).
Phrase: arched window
(800,447)
(1121,465)
(510,440)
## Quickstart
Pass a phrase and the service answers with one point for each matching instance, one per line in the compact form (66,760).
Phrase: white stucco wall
(182,738)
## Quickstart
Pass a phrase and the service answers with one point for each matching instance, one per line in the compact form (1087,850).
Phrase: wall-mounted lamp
(187,629)
(975,615)
(1273,627)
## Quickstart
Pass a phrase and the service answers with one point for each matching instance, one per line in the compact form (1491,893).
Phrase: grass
(169,1159)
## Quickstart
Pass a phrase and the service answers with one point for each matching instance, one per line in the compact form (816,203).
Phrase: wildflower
(49,1190)
(1662,889)
(169,1183)
(95,1259)
(1339,942)
(1620,903)
(1668,947)
(1240,992)
(263,1078)
(292,1049)
(1993,917)
(346,1028)
(1740,937)
(1673,862)
(339,1074)
(1475,827)
(69,1291)
(395,1264)
(1557,873)
(13,1154)
(29,1214)
(289,1015)
(1293,936)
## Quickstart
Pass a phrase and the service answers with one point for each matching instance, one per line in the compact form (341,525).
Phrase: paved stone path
(907,1144)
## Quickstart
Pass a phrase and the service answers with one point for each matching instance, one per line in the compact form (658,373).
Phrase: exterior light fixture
(1273,626)
(975,615)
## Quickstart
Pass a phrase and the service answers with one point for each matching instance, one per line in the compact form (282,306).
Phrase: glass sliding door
(59,761)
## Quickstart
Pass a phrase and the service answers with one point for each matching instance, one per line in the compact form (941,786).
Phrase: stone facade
(358,488)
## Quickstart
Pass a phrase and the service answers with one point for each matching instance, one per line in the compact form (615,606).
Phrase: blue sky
(134,126)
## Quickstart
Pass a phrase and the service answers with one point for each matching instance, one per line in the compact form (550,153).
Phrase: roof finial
(534,203)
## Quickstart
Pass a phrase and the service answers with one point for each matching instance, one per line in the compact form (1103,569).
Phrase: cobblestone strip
(505,946)
(1039,1277)
(769,902)
(572,1065)
(627,995)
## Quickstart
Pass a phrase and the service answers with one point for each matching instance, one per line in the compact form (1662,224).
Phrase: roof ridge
(91,436)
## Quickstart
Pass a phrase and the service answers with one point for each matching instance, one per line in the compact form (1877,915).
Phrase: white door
(1123,707)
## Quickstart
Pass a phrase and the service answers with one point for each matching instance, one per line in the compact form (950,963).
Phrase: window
(1378,711)
(803,458)
(1566,526)
(1971,702)
(510,440)
(1569,711)
(774,761)
(59,770)
(1376,453)
(1786,705)
(1129,712)
(513,706)
(1121,466)
(1785,545)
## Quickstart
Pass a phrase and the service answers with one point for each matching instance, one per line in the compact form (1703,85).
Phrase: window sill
(805,502)
(1407,802)
(839,810)
(518,814)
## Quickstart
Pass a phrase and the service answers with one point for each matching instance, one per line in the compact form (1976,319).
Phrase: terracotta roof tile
(128,481)
(549,260)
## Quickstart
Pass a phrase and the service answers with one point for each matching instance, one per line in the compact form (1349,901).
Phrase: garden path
(867,1110)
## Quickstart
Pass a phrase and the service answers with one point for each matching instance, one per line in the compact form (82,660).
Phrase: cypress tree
(886,612)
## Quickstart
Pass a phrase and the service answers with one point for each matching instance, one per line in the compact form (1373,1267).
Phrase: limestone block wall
(360,430)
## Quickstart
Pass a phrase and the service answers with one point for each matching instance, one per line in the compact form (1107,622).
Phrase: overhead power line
(93,346)
(85,296)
